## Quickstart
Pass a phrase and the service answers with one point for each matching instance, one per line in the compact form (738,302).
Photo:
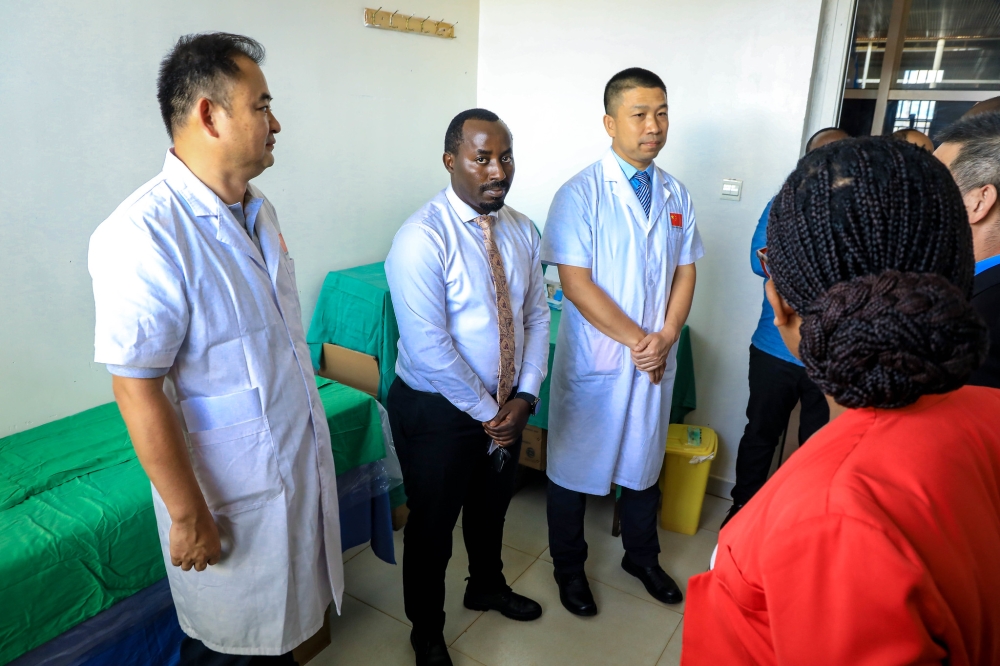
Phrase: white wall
(363,113)
(738,75)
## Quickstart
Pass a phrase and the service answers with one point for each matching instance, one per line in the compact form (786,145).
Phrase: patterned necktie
(640,183)
(505,317)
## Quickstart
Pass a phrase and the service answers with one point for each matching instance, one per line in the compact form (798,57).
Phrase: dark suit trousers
(446,470)
(775,386)
(566,508)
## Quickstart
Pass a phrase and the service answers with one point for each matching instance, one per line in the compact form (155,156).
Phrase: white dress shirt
(445,303)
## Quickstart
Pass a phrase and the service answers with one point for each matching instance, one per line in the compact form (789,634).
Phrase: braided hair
(869,242)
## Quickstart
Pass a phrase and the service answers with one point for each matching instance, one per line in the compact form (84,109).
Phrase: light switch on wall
(732,189)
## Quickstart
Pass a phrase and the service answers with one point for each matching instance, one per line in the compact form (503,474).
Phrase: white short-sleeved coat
(607,421)
(178,283)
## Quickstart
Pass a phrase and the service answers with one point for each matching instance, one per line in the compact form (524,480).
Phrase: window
(919,64)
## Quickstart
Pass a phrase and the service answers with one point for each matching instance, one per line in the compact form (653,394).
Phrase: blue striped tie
(640,183)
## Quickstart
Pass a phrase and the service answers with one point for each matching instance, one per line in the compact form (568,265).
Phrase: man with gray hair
(971,150)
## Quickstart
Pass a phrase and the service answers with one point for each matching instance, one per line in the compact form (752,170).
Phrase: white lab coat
(607,421)
(179,284)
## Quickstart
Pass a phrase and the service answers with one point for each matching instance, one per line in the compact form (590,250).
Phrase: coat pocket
(598,354)
(605,353)
(235,466)
(234,459)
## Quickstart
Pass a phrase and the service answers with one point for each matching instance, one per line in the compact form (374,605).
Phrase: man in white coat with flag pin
(623,235)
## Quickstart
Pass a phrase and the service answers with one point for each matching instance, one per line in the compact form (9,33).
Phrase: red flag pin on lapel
(281,239)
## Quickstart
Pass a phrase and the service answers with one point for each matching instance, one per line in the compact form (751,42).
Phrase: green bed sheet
(92,440)
(77,530)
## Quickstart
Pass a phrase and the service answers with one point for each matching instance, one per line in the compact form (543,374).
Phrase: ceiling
(931,19)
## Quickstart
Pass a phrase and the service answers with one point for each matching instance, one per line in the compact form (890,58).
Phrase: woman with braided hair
(879,542)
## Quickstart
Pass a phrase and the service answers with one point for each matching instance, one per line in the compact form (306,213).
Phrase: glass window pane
(929,117)
(951,45)
(871,28)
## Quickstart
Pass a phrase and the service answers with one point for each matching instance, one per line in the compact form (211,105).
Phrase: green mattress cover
(72,551)
(77,529)
(88,441)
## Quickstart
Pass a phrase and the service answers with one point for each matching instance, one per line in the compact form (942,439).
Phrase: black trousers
(446,470)
(775,387)
(194,652)
(637,511)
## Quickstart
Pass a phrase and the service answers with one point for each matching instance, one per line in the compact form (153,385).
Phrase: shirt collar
(201,198)
(203,201)
(987,264)
(247,215)
(465,211)
(238,213)
(630,170)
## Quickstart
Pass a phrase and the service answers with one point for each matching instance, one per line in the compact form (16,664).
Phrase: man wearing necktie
(623,234)
(467,287)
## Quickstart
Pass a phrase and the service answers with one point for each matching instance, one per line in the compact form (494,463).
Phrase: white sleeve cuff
(485,410)
(567,259)
(530,380)
(133,372)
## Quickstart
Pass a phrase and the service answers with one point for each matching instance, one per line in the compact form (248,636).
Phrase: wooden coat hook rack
(385,20)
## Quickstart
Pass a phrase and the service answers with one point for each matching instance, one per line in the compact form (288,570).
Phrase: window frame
(884,92)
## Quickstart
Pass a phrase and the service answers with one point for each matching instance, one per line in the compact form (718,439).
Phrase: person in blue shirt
(778,380)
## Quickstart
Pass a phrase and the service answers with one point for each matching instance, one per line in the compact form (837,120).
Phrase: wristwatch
(530,399)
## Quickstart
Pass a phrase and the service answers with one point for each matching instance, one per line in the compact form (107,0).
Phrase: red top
(877,543)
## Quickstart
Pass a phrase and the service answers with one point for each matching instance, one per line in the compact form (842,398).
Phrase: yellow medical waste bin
(690,450)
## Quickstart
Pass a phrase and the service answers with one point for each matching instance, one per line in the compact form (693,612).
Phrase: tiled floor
(630,628)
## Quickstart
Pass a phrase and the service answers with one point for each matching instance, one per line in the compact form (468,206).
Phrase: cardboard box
(350,368)
(533,443)
(313,646)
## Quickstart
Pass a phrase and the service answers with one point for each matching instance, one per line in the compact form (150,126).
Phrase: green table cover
(354,310)
(77,530)
(685,398)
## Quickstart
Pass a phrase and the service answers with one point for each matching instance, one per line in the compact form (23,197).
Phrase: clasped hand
(650,354)
(506,427)
(195,543)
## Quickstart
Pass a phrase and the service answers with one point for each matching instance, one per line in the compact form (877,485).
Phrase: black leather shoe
(431,652)
(733,510)
(509,603)
(659,585)
(574,593)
